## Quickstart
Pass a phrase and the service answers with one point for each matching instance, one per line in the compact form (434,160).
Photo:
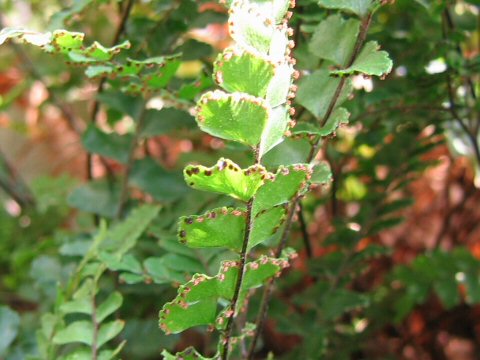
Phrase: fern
(80,327)
(253,108)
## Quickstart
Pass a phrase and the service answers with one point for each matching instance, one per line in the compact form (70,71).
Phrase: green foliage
(66,43)
(360,8)
(9,324)
(370,61)
(345,31)
(440,272)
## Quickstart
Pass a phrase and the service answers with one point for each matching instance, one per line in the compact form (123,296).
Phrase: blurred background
(389,264)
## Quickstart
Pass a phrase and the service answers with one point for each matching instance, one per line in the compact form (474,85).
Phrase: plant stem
(95,329)
(14,183)
(101,85)
(303,226)
(238,285)
(471,134)
(262,314)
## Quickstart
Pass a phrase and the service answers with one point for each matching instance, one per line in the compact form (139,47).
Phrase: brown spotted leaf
(224,227)
(226,177)
(197,301)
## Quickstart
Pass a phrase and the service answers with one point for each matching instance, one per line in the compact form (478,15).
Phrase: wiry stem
(14,184)
(238,285)
(95,329)
(262,314)
(101,85)
(303,226)
(470,133)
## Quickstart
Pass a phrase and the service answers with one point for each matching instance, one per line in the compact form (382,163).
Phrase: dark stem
(101,85)
(471,134)
(262,314)
(303,227)
(451,26)
(267,292)
(14,183)
(95,329)
(238,285)
(96,104)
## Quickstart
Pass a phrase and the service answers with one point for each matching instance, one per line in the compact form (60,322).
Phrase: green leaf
(316,91)
(129,278)
(187,354)
(216,228)
(287,183)
(263,269)
(340,301)
(358,7)
(322,174)
(334,39)
(79,354)
(108,331)
(339,116)
(111,354)
(131,68)
(447,291)
(230,116)
(9,325)
(121,238)
(290,151)
(123,103)
(158,269)
(226,177)
(64,42)
(251,30)
(182,264)
(193,50)
(158,122)
(181,316)
(109,145)
(370,61)
(82,305)
(279,87)
(275,9)
(78,331)
(94,53)
(189,91)
(109,306)
(235,70)
(336,119)
(86,354)
(161,78)
(266,224)
(98,197)
(472,282)
(58,19)
(152,178)
(275,130)
(196,302)
(29,37)
(126,263)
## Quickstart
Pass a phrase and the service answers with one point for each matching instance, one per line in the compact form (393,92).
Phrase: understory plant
(256,110)
(253,108)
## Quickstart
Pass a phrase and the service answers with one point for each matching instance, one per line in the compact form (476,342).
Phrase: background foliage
(93,144)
